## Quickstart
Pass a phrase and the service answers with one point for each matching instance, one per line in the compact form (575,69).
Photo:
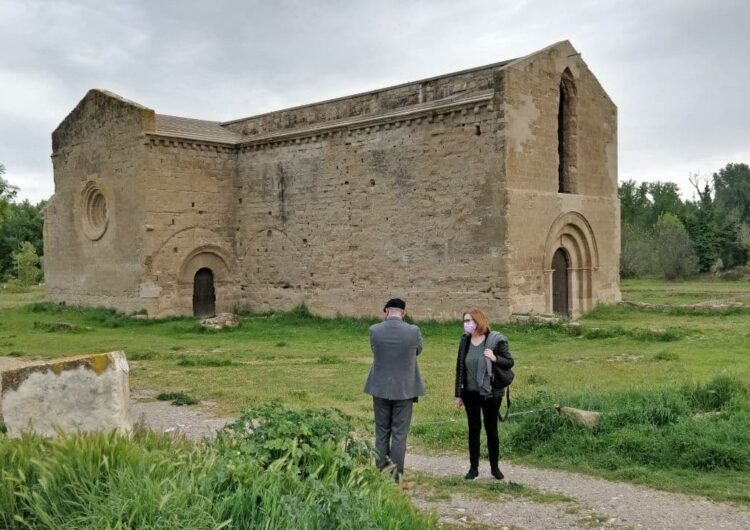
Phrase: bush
(26,264)
(637,256)
(676,256)
(274,468)
(655,429)
(178,399)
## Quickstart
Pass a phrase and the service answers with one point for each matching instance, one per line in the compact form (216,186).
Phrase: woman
(480,351)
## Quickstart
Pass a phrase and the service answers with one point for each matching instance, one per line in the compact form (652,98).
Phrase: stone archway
(204,282)
(571,237)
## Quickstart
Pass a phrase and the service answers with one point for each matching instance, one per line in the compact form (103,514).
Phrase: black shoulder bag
(502,378)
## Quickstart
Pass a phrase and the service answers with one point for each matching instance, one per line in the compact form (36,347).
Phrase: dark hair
(395,303)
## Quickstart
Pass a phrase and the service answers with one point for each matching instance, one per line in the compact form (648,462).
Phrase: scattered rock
(625,358)
(587,418)
(707,415)
(541,319)
(708,305)
(220,321)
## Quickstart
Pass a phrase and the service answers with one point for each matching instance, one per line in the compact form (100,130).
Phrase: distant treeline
(662,235)
(20,235)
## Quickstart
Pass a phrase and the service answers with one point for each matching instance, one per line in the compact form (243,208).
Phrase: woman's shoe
(472,474)
(497,473)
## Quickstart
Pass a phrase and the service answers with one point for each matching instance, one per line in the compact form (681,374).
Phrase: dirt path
(598,503)
(590,503)
(163,417)
(595,503)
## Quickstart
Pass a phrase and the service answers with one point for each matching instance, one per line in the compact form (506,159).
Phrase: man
(394,382)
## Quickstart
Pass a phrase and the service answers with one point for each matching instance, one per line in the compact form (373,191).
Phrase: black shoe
(399,477)
(472,474)
(497,473)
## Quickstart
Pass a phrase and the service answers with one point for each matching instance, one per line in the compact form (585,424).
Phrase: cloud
(676,69)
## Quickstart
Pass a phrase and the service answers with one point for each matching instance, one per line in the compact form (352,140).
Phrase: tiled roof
(209,131)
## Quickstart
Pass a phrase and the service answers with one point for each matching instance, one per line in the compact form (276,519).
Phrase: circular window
(95,215)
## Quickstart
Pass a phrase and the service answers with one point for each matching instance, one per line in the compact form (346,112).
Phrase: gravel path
(163,417)
(597,503)
(610,504)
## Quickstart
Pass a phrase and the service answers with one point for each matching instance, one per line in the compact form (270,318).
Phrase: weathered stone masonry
(442,191)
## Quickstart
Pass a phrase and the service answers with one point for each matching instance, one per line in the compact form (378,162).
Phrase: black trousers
(476,406)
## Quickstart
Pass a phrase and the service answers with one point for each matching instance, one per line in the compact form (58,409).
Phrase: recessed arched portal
(204,294)
(571,259)
(560,299)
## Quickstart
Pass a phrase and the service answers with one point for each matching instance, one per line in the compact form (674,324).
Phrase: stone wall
(94,228)
(441,191)
(190,203)
(536,208)
(345,218)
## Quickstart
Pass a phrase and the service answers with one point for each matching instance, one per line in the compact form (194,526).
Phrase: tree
(675,253)
(665,198)
(7,194)
(26,265)
(732,190)
(637,257)
(710,231)
(23,223)
(634,203)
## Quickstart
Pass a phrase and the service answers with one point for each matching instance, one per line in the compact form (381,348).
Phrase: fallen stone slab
(84,393)
(220,321)
(587,418)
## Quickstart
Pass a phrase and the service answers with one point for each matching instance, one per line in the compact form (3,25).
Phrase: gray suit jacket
(395,372)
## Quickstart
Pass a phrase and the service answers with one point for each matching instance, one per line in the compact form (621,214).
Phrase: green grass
(304,360)
(441,488)
(292,469)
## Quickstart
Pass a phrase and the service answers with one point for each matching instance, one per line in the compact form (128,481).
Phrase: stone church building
(493,187)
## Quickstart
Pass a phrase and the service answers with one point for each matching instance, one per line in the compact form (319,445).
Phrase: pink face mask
(470,327)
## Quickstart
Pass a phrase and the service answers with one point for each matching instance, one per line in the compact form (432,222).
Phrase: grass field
(303,360)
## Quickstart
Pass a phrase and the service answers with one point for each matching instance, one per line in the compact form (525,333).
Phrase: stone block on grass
(83,393)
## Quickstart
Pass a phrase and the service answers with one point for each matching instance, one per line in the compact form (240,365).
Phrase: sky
(678,71)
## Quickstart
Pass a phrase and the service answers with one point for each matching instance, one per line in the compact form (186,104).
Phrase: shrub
(637,256)
(178,399)
(676,256)
(649,429)
(269,476)
(26,264)
(204,361)
(666,356)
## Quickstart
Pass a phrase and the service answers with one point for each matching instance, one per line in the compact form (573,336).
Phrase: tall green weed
(273,468)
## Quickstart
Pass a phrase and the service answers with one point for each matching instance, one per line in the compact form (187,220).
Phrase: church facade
(493,187)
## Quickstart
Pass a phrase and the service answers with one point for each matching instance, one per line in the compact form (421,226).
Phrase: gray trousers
(392,420)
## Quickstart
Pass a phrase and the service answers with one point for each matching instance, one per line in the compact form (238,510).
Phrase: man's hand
(459,403)
(490,355)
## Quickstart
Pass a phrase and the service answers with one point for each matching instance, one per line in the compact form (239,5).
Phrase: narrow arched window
(567,135)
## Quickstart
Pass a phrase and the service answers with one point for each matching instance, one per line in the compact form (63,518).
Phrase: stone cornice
(418,114)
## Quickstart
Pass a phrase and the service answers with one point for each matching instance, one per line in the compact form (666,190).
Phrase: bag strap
(507,405)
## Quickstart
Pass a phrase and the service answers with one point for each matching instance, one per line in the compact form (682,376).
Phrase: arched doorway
(573,259)
(204,296)
(560,299)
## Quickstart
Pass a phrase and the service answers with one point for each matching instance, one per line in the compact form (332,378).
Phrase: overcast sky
(679,71)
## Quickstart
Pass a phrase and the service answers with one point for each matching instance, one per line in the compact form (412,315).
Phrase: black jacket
(502,354)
